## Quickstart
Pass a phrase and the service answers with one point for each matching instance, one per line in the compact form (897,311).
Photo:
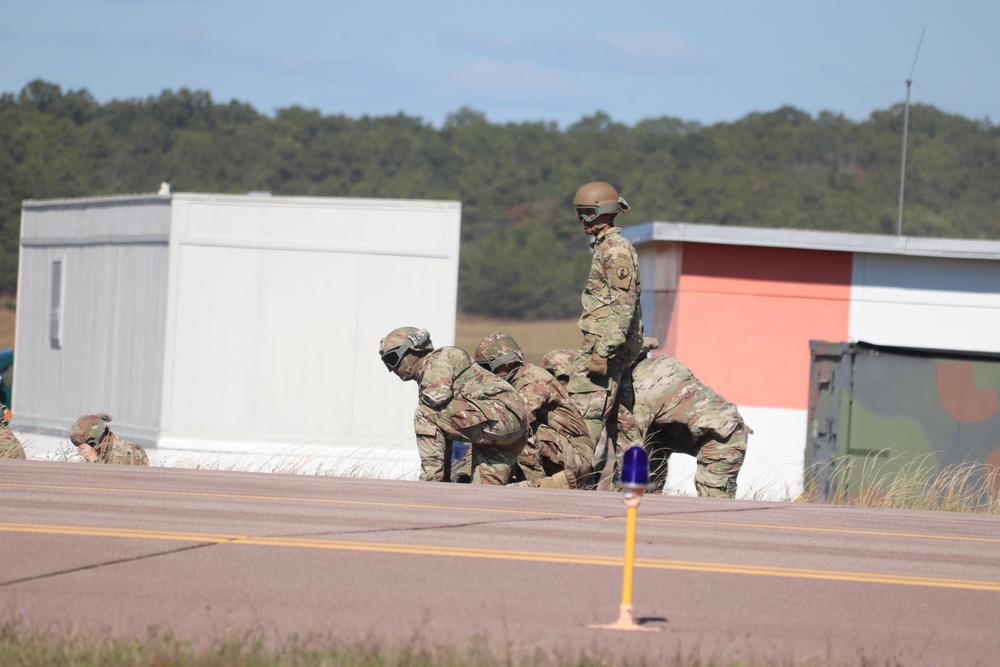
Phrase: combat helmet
(595,199)
(393,348)
(498,349)
(89,429)
(559,362)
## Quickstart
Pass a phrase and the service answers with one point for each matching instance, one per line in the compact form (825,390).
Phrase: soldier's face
(404,371)
(595,226)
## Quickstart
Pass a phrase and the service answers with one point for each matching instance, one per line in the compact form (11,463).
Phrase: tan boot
(564,479)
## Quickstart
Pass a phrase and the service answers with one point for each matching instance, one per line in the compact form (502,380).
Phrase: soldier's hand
(598,364)
(87,452)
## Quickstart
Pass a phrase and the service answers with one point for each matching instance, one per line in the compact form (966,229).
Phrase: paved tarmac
(206,555)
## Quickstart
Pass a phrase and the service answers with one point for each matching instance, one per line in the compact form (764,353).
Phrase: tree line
(523,254)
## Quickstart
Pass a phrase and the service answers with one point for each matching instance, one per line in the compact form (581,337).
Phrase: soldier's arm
(437,384)
(621,275)
(87,453)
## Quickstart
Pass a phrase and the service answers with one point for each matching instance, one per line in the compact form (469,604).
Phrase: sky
(706,61)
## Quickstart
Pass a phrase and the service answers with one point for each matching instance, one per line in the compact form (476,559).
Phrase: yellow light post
(634,481)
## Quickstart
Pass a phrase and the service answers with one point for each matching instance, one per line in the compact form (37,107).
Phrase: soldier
(458,401)
(97,444)
(611,322)
(560,452)
(675,412)
(10,446)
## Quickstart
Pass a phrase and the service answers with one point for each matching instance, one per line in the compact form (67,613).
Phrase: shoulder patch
(621,275)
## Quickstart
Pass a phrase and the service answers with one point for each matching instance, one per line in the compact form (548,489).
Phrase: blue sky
(707,61)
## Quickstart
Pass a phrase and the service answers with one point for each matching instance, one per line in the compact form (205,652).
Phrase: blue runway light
(635,468)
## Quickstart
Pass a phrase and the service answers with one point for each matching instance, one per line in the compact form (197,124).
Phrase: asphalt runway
(208,555)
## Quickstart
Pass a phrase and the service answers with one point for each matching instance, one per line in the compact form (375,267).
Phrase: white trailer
(230,330)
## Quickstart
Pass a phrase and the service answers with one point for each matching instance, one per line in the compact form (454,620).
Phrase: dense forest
(523,254)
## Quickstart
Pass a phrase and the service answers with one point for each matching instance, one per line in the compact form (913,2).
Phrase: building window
(55,313)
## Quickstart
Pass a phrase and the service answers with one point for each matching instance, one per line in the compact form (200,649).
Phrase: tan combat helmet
(498,349)
(89,429)
(393,348)
(559,362)
(595,199)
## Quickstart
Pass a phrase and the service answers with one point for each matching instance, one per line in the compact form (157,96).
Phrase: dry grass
(34,649)
(917,484)
(535,338)
(8,319)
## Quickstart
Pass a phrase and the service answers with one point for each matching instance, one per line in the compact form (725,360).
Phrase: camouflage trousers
(495,443)
(607,410)
(719,460)
(10,446)
(551,459)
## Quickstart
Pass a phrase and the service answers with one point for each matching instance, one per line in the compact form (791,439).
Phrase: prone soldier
(96,443)
(10,446)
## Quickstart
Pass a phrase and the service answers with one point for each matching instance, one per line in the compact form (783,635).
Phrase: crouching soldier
(458,400)
(676,412)
(97,444)
(560,452)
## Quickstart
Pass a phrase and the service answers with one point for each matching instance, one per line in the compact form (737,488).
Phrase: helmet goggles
(494,364)
(588,214)
(394,357)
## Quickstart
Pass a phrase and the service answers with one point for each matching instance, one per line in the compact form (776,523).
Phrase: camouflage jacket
(548,402)
(115,450)
(449,373)
(612,316)
(667,392)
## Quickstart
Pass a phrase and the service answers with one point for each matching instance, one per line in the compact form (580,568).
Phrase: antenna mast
(906,124)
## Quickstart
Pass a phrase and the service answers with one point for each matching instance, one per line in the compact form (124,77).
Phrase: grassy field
(535,338)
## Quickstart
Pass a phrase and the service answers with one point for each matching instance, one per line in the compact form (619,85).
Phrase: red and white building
(739,306)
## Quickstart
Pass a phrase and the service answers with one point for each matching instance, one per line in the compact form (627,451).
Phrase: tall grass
(30,649)
(889,481)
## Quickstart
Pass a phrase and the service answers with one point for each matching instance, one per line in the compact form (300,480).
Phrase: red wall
(742,318)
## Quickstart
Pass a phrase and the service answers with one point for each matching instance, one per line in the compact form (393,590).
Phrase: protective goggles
(493,365)
(393,358)
(590,213)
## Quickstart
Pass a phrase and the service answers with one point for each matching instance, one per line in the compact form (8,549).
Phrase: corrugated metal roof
(813,240)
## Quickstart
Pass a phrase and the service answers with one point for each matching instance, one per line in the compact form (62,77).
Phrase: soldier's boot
(564,479)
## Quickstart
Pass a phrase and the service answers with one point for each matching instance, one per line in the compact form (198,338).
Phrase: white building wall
(772,469)
(275,320)
(109,356)
(932,302)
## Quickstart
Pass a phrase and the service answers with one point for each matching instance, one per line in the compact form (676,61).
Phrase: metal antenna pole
(906,125)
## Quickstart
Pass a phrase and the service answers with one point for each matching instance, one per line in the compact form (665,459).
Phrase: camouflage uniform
(612,328)
(675,412)
(10,446)
(93,431)
(560,452)
(460,401)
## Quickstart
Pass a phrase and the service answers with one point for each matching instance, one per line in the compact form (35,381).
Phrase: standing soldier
(676,412)
(560,452)
(612,317)
(97,444)
(458,401)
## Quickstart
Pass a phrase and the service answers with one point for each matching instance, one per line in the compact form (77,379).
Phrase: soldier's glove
(598,364)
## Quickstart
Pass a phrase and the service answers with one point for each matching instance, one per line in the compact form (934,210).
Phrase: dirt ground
(535,338)
(7,318)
